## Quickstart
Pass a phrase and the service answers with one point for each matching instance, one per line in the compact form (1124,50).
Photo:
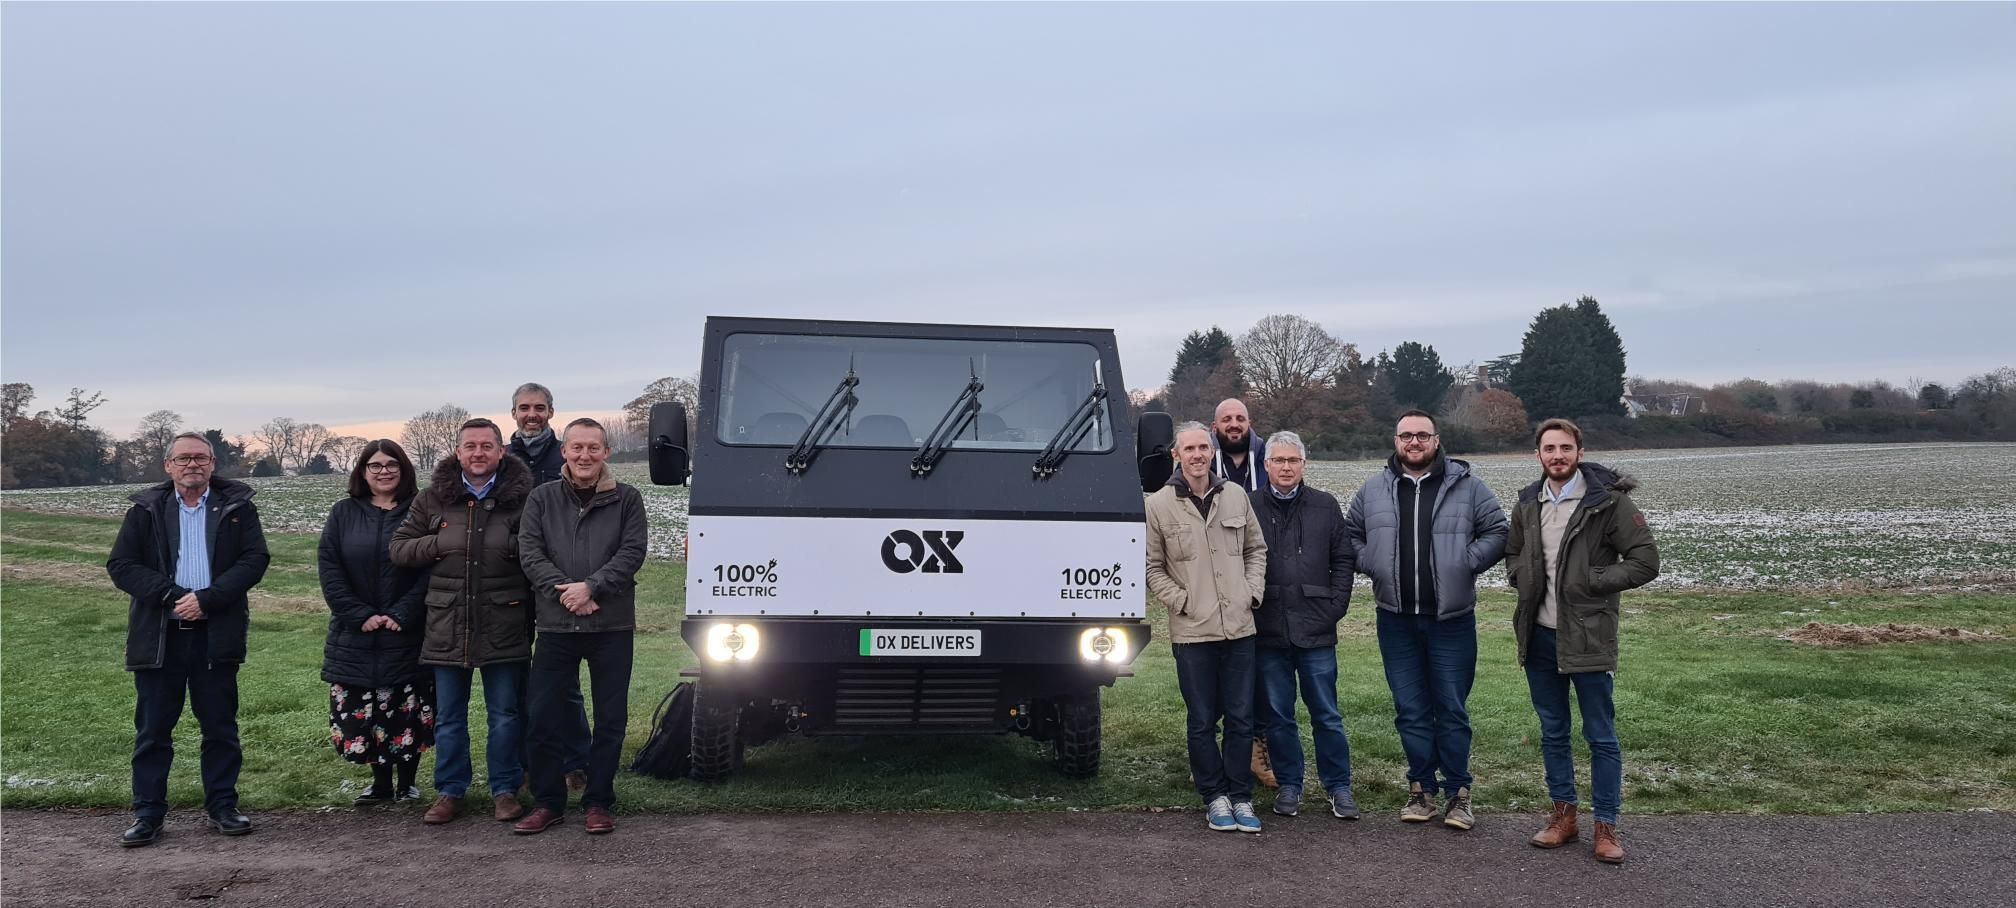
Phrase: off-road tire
(1076,735)
(717,733)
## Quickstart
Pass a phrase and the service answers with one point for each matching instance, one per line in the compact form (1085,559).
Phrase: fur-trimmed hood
(514,482)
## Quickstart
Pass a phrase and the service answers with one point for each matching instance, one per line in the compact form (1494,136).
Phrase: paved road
(1123,859)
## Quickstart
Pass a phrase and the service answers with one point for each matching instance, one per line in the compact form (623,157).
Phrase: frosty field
(1887,516)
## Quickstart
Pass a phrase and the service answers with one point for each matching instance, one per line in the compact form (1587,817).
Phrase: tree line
(1294,374)
(60,446)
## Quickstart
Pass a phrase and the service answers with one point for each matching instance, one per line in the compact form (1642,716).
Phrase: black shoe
(409,793)
(230,822)
(143,832)
(373,797)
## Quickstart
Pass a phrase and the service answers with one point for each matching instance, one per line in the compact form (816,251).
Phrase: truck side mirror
(669,458)
(1154,433)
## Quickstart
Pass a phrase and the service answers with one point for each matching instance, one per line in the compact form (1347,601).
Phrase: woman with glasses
(381,700)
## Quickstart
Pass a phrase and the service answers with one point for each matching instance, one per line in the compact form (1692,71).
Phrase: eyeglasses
(1285,461)
(190,460)
(1414,436)
(381,467)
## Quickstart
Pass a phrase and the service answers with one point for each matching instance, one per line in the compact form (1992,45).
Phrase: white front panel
(915,567)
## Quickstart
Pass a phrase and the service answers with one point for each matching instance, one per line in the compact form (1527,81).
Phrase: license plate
(914,642)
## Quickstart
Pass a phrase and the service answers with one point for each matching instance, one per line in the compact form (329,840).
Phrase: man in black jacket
(536,444)
(1309,567)
(188,553)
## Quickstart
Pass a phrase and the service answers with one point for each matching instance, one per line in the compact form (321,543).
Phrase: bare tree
(1286,354)
(432,435)
(152,439)
(76,409)
(343,450)
(622,435)
(14,400)
(280,438)
(665,390)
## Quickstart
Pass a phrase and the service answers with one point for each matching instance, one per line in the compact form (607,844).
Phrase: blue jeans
(1280,666)
(1216,680)
(1430,666)
(1599,726)
(503,691)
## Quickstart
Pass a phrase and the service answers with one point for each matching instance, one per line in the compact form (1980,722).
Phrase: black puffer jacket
(359,580)
(1309,567)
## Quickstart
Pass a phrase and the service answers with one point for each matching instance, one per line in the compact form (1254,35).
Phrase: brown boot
(445,809)
(508,808)
(1607,849)
(1263,769)
(1561,828)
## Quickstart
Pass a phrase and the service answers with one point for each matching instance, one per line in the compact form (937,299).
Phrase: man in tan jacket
(1207,561)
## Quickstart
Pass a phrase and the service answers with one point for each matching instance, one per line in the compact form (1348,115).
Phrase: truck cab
(909,529)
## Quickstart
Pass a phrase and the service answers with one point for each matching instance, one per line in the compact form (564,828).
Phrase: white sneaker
(1244,817)
(1219,814)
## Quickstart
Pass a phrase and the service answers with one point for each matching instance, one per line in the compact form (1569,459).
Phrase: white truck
(909,529)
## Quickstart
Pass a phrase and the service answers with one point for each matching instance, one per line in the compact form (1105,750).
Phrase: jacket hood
(1598,479)
(1449,467)
(1182,486)
(514,481)
(222,490)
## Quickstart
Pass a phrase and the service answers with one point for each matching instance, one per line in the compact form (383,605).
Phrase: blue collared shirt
(192,562)
(1570,490)
(482,492)
(1285,496)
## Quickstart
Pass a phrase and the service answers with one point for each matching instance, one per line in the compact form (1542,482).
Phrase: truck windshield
(772,386)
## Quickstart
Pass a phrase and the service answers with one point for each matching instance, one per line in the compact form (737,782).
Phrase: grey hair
(1285,437)
(532,387)
(191,436)
(1192,426)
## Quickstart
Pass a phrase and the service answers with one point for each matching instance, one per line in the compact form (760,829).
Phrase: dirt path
(345,859)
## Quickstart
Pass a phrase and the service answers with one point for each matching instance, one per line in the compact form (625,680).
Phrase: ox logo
(905,551)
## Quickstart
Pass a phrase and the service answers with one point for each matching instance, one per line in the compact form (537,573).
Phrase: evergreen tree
(1571,364)
(1419,379)
(1209,349)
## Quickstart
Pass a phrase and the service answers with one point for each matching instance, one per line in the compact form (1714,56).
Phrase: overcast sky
(348,213)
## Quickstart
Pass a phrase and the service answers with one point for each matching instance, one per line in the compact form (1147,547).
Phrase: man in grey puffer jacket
(1423,529)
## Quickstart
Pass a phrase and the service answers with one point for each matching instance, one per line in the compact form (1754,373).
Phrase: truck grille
(922,698)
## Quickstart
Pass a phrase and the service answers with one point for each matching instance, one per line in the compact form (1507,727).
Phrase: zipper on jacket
(1579,519)
(469,588)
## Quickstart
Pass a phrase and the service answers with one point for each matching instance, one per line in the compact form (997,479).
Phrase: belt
(181,625)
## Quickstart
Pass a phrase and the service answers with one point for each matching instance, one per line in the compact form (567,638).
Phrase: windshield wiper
(1073,432)
(824,424)
(963,412)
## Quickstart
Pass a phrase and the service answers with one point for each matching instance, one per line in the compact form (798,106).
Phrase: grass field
(1716,713)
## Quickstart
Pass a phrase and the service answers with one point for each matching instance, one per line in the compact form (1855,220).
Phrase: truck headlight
(733,642)
(1104,644)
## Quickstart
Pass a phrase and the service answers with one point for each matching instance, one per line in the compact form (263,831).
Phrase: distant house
(1636,405)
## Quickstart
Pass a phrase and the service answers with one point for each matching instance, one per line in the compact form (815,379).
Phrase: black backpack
(668,753)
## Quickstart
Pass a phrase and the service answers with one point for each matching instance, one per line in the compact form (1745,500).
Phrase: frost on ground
(1815,633)
(1923,516)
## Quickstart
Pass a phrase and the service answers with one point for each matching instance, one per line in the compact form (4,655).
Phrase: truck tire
(717,733)
(1077,735)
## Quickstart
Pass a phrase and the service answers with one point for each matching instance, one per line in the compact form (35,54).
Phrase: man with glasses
(187,554)
(1309,564)
(1424,579)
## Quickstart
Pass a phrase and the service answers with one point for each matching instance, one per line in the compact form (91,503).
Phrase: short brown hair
(482,423)
(1558,424)
(585,421)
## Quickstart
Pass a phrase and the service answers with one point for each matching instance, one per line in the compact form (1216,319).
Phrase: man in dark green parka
(1577,541)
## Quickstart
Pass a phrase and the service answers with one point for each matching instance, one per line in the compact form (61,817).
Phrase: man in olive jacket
(1577,542)
(1309,565)
(582,542)
(187,555)
(465,527)
(1207,561)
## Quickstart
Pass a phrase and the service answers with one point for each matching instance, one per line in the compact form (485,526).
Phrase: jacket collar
(222,492)
(1598,482)
(514,482)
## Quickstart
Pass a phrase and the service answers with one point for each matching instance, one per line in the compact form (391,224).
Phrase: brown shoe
(1263,769)
(1561,828)
(1607,849)
(508,808)
(537,821)
(599,821)
(445,809)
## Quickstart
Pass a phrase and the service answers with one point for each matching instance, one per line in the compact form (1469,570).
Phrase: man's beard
(1232,445)
(1566,472)
(1427,457)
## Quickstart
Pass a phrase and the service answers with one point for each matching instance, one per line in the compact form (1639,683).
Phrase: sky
(350,213)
